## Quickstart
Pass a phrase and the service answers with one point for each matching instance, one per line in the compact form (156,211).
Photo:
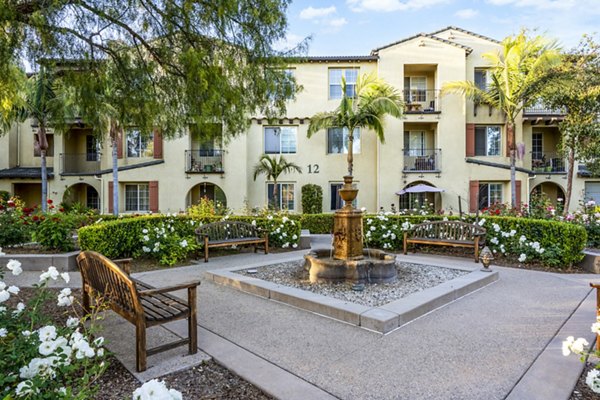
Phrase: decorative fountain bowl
(375,266)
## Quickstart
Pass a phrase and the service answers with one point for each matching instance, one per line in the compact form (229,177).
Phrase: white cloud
(391,5)
(466,13)
(538,4)
(311,12)
(337,22)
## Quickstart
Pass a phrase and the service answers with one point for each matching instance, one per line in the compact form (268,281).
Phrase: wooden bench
(229,233)
(597,287)
(139,303)
(446,233)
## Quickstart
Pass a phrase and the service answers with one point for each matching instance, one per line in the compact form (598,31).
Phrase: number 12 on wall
(313,168)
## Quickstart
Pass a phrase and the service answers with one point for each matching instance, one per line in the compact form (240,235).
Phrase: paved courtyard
(500,341)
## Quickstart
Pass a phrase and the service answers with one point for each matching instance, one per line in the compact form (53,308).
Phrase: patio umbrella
(420,188)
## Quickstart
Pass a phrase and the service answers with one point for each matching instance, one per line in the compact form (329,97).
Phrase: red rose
(61,209)
(1,207)
(49,201)
(51,206)
(11,203)
(36,218)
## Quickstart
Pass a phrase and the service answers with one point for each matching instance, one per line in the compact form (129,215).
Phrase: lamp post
(486,258)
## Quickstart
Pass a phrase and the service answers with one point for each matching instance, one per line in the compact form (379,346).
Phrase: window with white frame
(489,194)
(336,200)
(335,82)
(337,141)
(284,85)
(284,198)
(137,197)
(482,78)
(92,148)
(280,139)
(537,150)
(487,140)
(415,89)
(139,145)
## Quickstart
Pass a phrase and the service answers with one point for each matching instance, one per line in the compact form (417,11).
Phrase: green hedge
(123,237)
(312,199)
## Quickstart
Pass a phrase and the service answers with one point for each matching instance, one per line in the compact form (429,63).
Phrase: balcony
(206,161)
(79,163)
(422,160)
(422,101)
(548,162)
(540,110)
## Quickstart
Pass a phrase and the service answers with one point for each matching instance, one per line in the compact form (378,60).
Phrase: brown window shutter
(470,139)
(158,145)
(473,196)
(153,189)
(110,197)
(120,144)
(518,189)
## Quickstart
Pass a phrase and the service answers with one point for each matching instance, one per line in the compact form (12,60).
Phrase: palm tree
(39,101)
(365,108)
(517,73)
(273,167)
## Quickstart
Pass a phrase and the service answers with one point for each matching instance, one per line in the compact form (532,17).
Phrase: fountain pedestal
(349,262)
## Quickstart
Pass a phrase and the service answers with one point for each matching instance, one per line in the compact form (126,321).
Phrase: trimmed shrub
(126,237)
(317,223)
(312,199)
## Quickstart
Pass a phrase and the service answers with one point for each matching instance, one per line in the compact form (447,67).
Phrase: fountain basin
(376,266)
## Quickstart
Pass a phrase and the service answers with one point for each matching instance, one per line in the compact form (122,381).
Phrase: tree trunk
(43,143)
(114,134)
(510,128)
(571,167)
(275,195)
(350,151)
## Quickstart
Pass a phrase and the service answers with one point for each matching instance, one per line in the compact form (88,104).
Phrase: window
(337,141)
(487,140)
(137,197)
(414,143)
(415,89)
(489,194)
(335,82)
(537,151)
(410,201)
(481,78)
(336,201)
(91,198)
(280,139)
(283,86)
(49,150)
(92,148)
(284,198)
(138,145)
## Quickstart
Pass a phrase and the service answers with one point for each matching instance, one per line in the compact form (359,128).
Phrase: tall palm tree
(517,73)
(365,108)
(273,167)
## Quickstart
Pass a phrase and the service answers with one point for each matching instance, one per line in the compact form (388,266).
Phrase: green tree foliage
(371,101)
(517,73)
(206,60)
(312,199)
(575,86)
(272,168)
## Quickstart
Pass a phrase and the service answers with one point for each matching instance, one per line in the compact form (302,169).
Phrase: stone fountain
(349,261)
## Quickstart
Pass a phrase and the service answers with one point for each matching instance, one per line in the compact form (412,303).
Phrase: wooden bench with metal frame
(597,287)
(229,233)
(446,233)
(139,303)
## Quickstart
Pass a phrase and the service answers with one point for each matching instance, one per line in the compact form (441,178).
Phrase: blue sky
(355,27)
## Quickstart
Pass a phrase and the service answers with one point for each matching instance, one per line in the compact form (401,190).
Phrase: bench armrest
(595,285)
(187,285)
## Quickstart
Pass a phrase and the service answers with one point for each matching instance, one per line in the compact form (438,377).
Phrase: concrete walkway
(502,341)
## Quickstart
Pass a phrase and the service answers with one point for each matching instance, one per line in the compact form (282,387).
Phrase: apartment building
(444,142)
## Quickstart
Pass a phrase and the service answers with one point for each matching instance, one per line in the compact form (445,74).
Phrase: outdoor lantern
(486,258)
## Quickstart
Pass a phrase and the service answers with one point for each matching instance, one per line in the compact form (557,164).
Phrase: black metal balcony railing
(422,160)
(422,101)
(547,162)
(79,163)
(204,161)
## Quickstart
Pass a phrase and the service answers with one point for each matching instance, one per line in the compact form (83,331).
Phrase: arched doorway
(550,191)
(208,190)
(420,200)
(82,195)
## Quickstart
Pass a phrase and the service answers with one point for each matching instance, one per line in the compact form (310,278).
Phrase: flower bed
(171,238)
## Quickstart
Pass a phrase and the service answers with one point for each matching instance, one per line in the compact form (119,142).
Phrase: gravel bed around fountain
(411,278)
